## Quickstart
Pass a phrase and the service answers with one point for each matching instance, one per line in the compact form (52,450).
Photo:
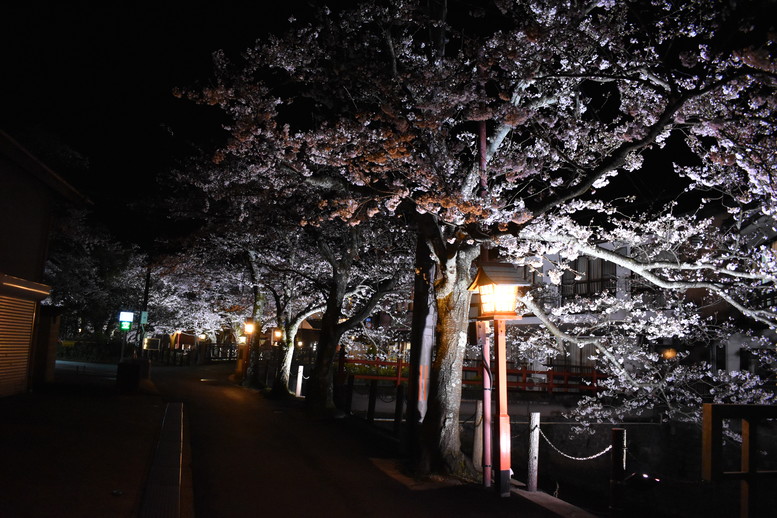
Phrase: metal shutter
(16,321)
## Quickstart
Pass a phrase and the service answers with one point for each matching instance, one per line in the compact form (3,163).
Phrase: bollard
(534,450)
(349,394)
(477,440)
(300,371)
(399,407)
(371,403)
(617,472)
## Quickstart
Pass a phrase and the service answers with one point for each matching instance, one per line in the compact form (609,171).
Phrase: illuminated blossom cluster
(640,133)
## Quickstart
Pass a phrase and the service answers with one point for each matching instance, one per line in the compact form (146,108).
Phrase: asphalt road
(252,456)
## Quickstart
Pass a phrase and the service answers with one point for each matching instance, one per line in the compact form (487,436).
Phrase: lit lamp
(249,327)
(669,354)
(498,286)
(278,335)
(245,352)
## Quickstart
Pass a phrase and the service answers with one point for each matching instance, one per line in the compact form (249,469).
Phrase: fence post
(485,346)
(371,403)
(349,394)
(534,450)
(399,407)
(300,371)
(617,471)
(477,442)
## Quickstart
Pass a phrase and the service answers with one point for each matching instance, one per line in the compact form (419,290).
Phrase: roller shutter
(16,323)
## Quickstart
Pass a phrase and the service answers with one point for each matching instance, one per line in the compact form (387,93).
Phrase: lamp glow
(497,299)
(669,354)
(498,286)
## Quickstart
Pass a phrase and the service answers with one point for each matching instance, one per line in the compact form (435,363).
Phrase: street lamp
(243,360)
(498,286)
(248,327)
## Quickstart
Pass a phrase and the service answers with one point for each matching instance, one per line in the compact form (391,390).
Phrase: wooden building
(29,192)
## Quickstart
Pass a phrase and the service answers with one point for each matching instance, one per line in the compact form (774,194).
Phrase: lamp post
(248,329)
(277,353)
(498,286)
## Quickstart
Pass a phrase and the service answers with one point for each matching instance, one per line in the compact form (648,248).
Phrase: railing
(395,366)
(222,352)
(570,379)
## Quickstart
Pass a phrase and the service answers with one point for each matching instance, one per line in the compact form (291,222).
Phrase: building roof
(498,273)
(28,162)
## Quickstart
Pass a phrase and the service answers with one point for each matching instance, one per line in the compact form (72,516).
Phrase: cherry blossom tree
(93,276)
(523,126)
(286,273)
(338,269)
(197,291)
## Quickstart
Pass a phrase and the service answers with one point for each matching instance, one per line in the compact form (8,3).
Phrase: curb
(552,504)
(163,496)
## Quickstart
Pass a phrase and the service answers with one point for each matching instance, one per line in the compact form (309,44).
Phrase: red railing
(570,379)
(396,365)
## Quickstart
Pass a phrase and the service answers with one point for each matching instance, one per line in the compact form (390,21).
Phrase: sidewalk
(77,448)
(80,448)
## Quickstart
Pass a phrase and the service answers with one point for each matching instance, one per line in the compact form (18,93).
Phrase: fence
(571,379)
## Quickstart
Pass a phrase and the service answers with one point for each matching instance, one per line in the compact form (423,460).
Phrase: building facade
(29,193)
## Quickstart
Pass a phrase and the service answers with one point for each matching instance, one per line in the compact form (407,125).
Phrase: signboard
(151,344)
(144,317)
(127,316)
(125,326)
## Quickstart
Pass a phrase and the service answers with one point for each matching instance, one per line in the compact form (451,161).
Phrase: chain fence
(591,457)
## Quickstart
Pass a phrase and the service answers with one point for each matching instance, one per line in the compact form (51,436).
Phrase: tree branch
(556,331)
(644,270)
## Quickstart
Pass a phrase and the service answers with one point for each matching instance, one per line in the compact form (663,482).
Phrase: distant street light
(249,327)
(245,354)
(498,286)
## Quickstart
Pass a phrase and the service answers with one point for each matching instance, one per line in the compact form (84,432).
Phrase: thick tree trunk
(284,371)
(320,397)
(257,310)
(441,437)
(281,385)
(422,343)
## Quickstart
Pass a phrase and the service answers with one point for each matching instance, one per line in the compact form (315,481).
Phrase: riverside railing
(553,379)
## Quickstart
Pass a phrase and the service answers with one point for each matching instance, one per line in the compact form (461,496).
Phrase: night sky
(95,79)
(87,86)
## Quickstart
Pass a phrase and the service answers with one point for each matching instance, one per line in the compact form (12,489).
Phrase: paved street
(80,447)
(250,455)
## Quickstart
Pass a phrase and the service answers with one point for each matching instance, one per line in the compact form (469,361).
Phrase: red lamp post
(498,286)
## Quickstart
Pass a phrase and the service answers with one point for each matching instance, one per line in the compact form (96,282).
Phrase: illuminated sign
(126,316)
(125,326)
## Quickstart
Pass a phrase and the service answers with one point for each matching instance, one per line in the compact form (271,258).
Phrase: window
(595,276)
(768,299)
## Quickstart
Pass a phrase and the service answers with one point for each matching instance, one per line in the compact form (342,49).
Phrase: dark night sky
(97,78)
